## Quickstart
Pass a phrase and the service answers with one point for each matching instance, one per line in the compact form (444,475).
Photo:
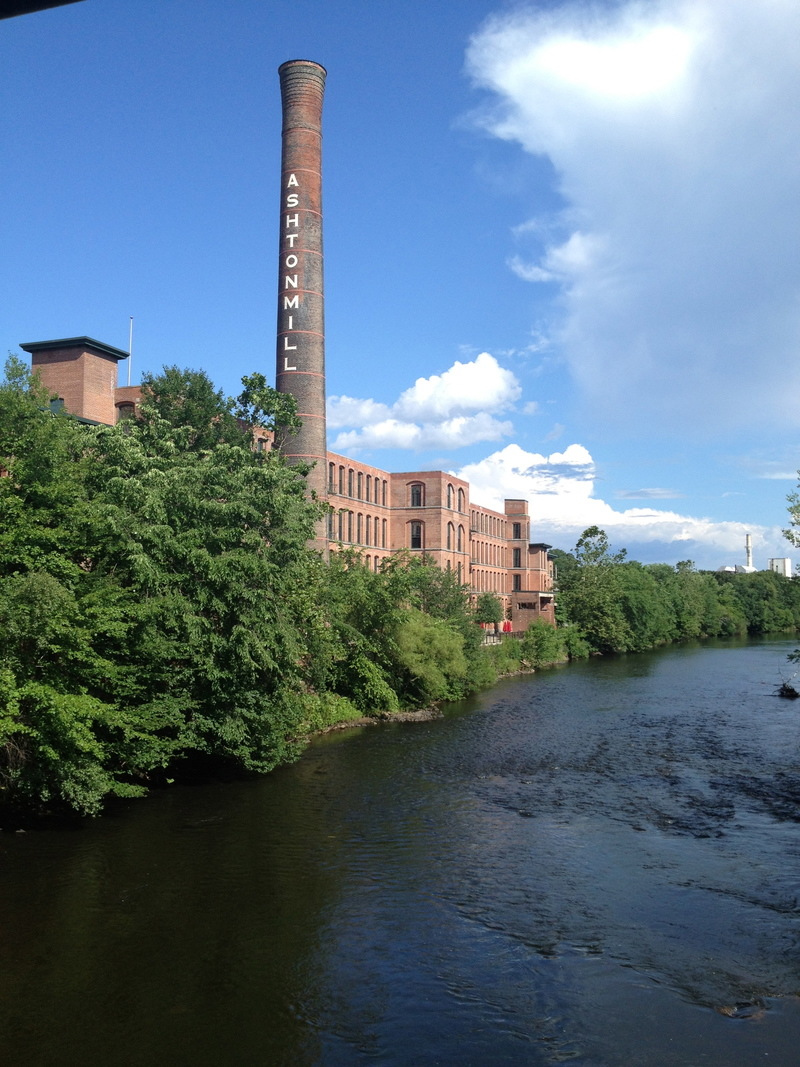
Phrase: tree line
(159,604)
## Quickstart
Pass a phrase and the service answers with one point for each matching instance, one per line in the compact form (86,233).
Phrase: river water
(595,865)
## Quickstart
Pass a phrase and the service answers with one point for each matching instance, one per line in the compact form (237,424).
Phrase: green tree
(592,600)
(488,608)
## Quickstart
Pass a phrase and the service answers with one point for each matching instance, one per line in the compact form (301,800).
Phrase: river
(596,865)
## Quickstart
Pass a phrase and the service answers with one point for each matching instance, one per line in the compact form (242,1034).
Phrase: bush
(542,645)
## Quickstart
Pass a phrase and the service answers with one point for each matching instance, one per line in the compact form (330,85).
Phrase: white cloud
(450,433)
(482,385)
(449,410)
(560,490)
(676,154)
(348,411)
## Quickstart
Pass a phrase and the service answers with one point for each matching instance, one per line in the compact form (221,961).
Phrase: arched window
(369,486)
(416,494)
(341,481)
(368,531)
(350,474)
(460,545)
(450,497)
(360,485)
(450,533)
(341,526)
(350,527)
(383,530)
(461,500)
(384,493)
(330,525)
(359,523)
(331,477)
(416,535)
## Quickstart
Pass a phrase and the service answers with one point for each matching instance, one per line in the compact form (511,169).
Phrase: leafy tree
(260,405)
(488,608)
(592,599)
(183,406)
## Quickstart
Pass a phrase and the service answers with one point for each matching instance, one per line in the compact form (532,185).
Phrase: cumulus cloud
(444,411)
(560,489)
(676,153)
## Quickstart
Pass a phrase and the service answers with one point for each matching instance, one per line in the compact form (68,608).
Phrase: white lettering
(292,220)
(291,323)
(287,347)
(292,181)
(286,364)
(290,281)
(291,261)
(291,301)
(292,200)
(291,238)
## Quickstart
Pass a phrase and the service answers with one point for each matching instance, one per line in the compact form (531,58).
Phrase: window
(416,534)
(350,482)
(369,486)
(461,500)
(450,532)
(417,495)
(384,495)
(330,525)
(517,582)
(517,557)
(383,529)
(516,530)
(450,497)
(341,481)
(368,534)
(331,477)
(341,526)
(350,526)
(460,539)
(360,485)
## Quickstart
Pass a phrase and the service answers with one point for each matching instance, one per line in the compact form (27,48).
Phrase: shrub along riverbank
(159,603)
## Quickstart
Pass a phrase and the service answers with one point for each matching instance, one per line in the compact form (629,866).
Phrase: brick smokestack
(300,357)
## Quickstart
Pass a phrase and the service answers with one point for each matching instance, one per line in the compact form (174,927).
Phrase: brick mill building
(375,511)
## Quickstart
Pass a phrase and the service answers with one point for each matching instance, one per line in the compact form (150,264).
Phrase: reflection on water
(597,865)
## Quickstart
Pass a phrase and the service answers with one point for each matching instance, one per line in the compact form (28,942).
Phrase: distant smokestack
(300,358)
(748,548)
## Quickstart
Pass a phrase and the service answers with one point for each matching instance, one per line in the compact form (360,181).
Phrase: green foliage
(430,656)
(504,657)
(488,608)
(591,594)
(542,645)
(157,595)
(617,605)
(260,405)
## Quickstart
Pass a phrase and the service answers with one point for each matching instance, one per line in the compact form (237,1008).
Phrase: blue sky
(561,238)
